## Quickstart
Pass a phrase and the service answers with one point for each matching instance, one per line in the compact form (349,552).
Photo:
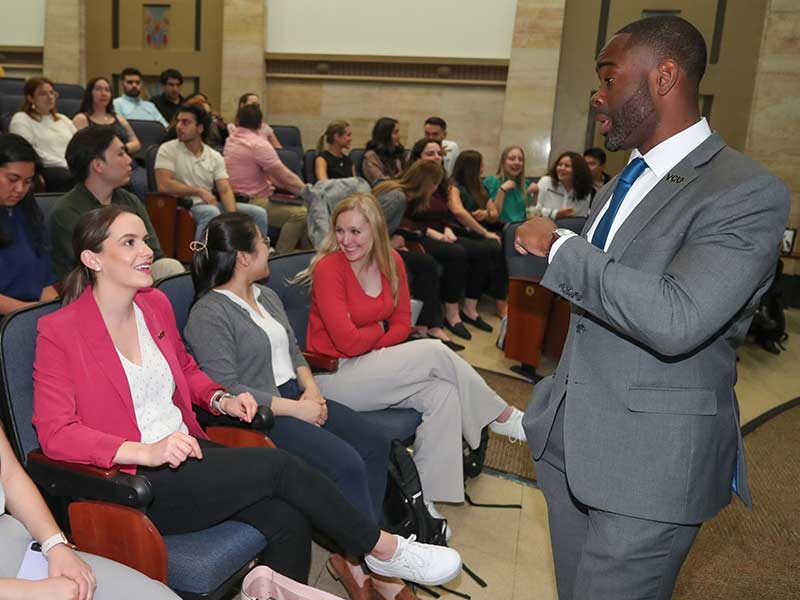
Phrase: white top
(152,387)
(198,171)
(553,196)
(660,159)
(451,152)
(282,368)
(47,136)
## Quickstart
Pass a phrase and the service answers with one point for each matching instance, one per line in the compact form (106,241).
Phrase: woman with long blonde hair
(360,313)
(507,186)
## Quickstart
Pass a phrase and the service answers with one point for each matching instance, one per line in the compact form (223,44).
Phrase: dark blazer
(651,421)
(82,405)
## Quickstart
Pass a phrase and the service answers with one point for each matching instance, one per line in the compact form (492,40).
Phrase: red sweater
(344,321)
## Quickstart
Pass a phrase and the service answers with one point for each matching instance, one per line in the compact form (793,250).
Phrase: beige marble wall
(775,115)
(242,52)
(64,47)
(473,114)
(531,89)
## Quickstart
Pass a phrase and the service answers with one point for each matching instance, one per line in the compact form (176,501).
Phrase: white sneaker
(448,533)
(512,427)
(420,563)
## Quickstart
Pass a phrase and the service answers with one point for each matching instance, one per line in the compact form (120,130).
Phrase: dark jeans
(269,489)
(347,448)
(425,286)
(469,268)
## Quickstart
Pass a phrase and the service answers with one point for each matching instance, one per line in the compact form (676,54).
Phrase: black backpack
(404,507)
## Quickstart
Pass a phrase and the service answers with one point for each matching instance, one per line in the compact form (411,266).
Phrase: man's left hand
(535,236)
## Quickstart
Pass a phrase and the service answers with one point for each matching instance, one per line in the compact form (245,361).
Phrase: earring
(98,269)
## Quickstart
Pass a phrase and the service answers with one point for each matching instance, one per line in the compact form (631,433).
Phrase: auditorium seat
(68,106)
(538,319)
(12,85)
(104,509)
(309,171)
(150,133)
(69,90)
(292,160)
(290,138)
(357,157)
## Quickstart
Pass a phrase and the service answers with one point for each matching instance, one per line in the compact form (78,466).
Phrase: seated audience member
(436,129)
(26,276)
(265,130)
(596,161)
(240,335)
(333,162)
(168,101)
(100,165)
(474,196)
(566,190)
(109,391)
(218,130)
(131,105)
(507,188)
(360,313)
(188,168)
(70,574)
(255,170)
(47,130)
(97,110)
(482,246)
(385,154)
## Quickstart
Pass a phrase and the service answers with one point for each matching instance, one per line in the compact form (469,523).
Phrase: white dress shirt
(660,159)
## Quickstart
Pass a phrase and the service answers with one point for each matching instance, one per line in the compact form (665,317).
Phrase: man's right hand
(208,197)
(173,450)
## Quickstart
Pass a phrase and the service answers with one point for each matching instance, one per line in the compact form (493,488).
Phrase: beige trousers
(432,379)
(291,220)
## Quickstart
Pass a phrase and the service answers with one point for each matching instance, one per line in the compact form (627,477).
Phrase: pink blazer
(82,405)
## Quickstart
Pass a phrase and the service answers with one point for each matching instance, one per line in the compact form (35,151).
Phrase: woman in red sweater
(360,313)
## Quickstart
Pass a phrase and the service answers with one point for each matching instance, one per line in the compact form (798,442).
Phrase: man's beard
(631,116)
(133,93)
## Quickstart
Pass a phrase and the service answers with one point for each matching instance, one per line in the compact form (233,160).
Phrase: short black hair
(249,116)
(200,115)
(86,145)
(671,37)
(130,71)
(596,153)
(170,74)
(436,122)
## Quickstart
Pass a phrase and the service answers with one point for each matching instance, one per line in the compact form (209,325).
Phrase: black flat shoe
(476,322)
(458,329)
(452,345)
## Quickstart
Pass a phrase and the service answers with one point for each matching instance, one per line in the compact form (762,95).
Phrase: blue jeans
(203,213)
(348,449)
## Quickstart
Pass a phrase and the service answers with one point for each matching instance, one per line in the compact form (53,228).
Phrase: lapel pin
(161,334)
(674,178)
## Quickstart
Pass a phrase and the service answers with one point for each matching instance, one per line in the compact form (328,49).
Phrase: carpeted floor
(742,554)
(501,454)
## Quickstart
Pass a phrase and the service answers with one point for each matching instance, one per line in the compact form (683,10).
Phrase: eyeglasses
(43,93)
(264,241)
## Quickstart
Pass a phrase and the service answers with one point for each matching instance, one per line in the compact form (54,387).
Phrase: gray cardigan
(234,351)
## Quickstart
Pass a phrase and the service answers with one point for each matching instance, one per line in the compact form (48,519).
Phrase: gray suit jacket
(651,423)
(234,351)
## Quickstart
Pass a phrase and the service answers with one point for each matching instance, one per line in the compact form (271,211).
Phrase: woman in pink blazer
(114,385)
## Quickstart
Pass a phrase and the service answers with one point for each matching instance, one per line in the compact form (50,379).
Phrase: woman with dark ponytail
(26,273)
(240,335)
(334,162)
(114,385)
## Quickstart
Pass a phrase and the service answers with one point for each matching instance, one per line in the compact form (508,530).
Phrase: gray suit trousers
(604,555)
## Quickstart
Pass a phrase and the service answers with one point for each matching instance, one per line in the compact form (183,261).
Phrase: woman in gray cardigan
(240,335)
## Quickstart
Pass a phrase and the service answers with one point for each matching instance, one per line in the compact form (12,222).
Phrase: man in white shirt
(636,436)
(436,129)
(188,168)
(130,105)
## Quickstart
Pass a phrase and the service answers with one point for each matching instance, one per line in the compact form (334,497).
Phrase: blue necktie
(629,174)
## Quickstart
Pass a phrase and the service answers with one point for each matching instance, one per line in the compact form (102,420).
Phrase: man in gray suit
(636,436)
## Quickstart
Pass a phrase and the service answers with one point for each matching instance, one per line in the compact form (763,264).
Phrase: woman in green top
(506,188)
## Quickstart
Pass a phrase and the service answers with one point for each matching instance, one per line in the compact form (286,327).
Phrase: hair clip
(196,246)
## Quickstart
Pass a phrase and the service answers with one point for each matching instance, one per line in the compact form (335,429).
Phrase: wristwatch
(55,540)
(559,233)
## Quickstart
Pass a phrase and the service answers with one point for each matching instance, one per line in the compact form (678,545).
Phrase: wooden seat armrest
(119,533)
(73,480)
(236,437)
(320,362)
